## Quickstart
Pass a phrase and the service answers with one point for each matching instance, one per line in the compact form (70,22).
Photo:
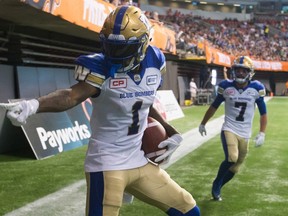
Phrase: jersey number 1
(134,127)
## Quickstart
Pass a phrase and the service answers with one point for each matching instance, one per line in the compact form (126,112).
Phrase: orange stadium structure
(91,15)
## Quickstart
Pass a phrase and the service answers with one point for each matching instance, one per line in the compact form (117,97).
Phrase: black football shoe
(216,196)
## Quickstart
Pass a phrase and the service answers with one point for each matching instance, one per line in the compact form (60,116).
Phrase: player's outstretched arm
(65,99)
(57,101)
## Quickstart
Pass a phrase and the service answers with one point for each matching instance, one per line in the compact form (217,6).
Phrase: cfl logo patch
(230,92)
(118,83)
(151,80)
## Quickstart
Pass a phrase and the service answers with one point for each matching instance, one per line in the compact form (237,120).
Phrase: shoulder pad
(259,87)
(90,69)
(155,58)
(93,62)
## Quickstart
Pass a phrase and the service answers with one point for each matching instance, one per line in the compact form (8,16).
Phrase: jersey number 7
(242,106)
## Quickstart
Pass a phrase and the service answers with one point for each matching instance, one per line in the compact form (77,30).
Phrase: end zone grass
(259,188)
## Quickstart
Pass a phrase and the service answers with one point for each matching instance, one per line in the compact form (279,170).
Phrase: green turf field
(260,189)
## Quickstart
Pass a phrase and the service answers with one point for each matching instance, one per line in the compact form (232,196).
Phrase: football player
(240,95)
(122,82)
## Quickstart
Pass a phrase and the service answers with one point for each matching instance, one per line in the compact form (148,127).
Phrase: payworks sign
(52,133)
(60,137)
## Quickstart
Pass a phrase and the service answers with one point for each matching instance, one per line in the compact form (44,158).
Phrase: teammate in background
(240,95)
(122,82)
(225,73)
(193,90)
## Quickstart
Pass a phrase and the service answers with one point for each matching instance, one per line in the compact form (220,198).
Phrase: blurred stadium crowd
(263,38)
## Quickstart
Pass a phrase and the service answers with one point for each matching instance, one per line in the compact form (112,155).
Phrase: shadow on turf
(21,154)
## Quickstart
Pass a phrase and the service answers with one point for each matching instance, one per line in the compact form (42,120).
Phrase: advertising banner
(162,37)
(86,13)
(167,105)
(52,133)
(91,14)
(215,56)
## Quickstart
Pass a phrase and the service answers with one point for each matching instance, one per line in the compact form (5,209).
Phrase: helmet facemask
(127,53)
(241,75)
(242,69)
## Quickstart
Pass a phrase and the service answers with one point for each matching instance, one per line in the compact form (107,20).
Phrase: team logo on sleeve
(151,80)
(118,83)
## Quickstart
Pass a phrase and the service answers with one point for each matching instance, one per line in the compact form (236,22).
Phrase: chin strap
(128,68)
(118,68)
(243,80)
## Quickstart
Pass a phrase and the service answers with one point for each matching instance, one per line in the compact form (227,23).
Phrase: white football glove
(259,139)
(172,143)
(202,130)
(20,113)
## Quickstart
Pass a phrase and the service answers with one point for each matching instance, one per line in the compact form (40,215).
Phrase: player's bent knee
(195,211)
(233,158)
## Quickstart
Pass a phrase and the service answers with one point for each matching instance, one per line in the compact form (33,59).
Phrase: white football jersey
(239,105)
(120,111)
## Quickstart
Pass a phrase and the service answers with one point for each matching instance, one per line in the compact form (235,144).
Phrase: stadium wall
(26,82)
(7,83)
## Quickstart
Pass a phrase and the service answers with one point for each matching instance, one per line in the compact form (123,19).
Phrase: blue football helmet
(245,64)
(125,37)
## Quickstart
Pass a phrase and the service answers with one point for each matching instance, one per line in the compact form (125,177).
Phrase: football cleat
(216,196)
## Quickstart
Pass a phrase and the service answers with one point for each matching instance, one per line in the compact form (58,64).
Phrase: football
(153,135)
